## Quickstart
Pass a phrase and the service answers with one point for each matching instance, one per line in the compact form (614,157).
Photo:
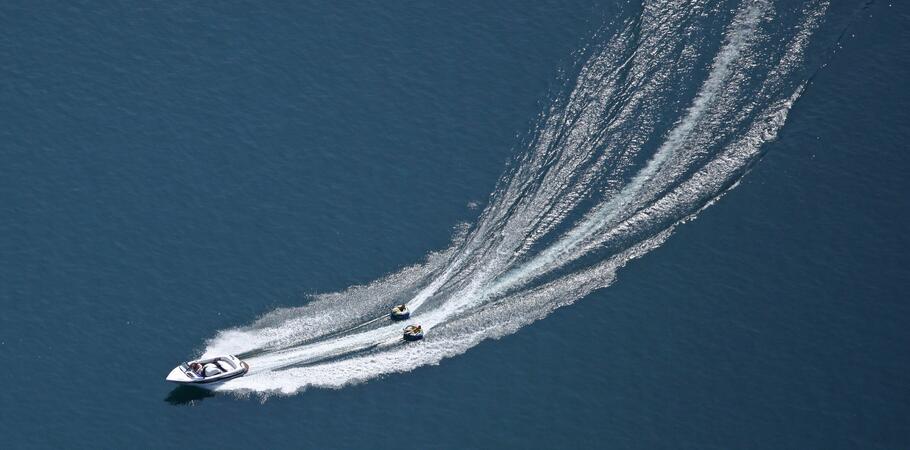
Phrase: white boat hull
(232,365)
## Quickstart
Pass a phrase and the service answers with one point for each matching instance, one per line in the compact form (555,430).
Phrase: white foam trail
(613,168)
(738,39)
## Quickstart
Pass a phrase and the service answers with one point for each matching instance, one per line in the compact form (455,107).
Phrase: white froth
(534,249)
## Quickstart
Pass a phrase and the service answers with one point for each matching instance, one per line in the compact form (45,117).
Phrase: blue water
(180,180)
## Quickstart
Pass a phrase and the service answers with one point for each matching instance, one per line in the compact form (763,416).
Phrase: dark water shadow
(188,395)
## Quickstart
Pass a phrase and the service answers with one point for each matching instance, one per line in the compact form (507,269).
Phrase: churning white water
(660,121)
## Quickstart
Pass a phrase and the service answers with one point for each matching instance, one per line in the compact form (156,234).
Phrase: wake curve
(614,166)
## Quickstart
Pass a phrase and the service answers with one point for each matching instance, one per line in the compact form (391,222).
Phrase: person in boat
(196,368)
(399,309)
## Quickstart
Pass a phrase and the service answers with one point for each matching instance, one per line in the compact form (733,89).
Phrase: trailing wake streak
(636,147)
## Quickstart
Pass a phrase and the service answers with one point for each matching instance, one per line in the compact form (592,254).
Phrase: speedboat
(413,333)
(208,371)
(400,312)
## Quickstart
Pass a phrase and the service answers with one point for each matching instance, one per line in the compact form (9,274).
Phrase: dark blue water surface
(169,171)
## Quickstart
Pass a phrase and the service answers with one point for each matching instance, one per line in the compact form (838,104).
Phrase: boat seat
(211,370)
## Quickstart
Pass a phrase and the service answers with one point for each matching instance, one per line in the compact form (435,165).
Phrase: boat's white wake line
(607,178)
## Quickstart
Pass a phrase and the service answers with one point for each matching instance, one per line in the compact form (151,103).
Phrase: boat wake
(660,120)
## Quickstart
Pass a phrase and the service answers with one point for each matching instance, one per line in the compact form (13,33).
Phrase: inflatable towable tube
(413,333)
(400,312)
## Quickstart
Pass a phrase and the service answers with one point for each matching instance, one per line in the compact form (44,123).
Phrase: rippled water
(268,181)
(613,166)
